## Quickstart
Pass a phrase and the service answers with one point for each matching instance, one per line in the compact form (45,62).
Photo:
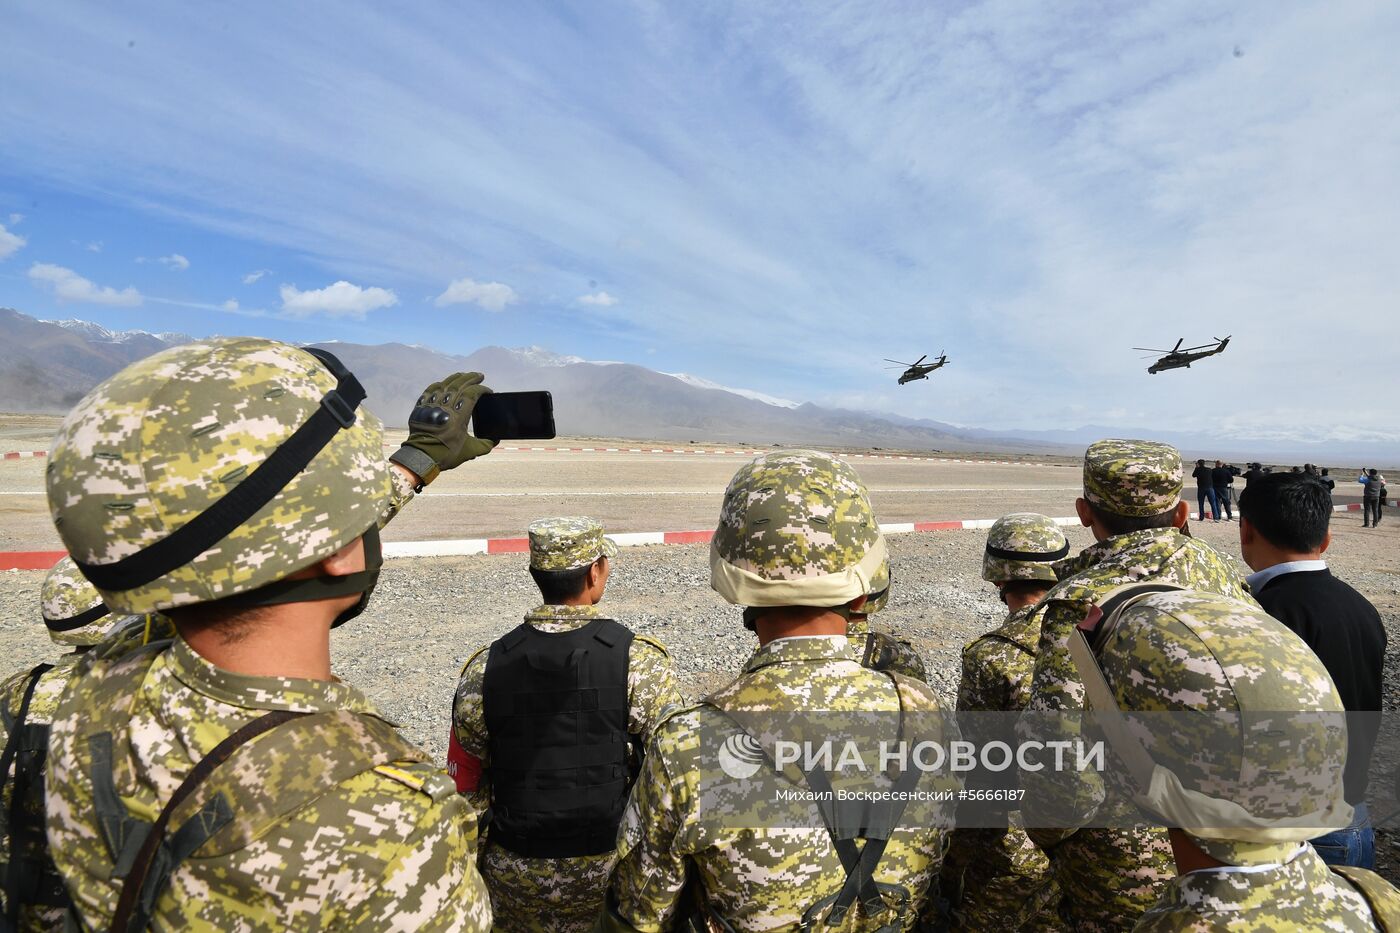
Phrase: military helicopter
(919,369)
(1177,358)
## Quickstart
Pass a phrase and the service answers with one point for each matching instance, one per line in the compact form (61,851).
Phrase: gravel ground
(429,616)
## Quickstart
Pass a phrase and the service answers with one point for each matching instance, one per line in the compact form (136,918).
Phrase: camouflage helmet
(1251,784)
(72,608)
(1023,546)
(213,469)
(880,585)
(796,529)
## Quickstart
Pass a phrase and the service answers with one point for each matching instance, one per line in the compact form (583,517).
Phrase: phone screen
(504,416)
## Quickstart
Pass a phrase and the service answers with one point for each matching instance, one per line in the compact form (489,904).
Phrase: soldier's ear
(1086,514)
(1182,514)
(349,559)
(1326,542)
(858,604)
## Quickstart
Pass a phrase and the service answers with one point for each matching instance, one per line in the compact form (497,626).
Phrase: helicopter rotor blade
(1178,344)
(1150,350)
(920,360)
(888,360)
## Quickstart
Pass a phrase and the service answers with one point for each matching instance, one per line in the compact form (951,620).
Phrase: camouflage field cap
(1249,786)
(155,481)
(1023,546)
(796,529)
(1132,478)
(568,543)
(73,609)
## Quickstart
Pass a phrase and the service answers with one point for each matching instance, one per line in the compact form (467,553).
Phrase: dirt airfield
(430,614)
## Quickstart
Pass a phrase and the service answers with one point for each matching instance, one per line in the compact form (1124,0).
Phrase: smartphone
(503,416)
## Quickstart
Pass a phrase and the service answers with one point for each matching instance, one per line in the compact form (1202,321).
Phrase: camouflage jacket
(546,894)
(1107,876)
(884,650)
(385,849)
(997,878)
(1303,894)
(754,875)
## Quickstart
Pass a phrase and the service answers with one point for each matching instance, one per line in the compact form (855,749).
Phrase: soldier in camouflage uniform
(1244,800)
(560,894)
(997,878)
(227,780)
(881,649)
(798,546)
(75,617)
(1132,501)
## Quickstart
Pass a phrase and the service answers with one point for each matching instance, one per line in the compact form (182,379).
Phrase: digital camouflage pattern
(390,848)
(1036,541)
(755,878)
(66,594)
(997,879)
(1132,478)
(555,895)
(42,707)
(568,543)
(1301,894)
(796,529)
(1107,877)
(881,585)
(164,439)
(1189,651)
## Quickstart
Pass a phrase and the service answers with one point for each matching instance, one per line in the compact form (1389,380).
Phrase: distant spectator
(1254,472)
(1371,497)
(1205,491)
(1283,534)
(1223,479)
(1327,481)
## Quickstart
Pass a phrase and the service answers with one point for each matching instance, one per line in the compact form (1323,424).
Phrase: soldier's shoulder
(475,664)
(647,646)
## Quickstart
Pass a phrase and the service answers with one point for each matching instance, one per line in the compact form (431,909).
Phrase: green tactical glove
(437,428)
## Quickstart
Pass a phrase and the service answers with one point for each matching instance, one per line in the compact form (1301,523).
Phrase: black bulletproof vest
(556,711)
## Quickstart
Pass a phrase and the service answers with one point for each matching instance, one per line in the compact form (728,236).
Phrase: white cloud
(68,285)
(600,299)
(231,305)
(16,218)
(252,277)
(174,261)
(339,300)
(490,296)
(94,247)
(10,243)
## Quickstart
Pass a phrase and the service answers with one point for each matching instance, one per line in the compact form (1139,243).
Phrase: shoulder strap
(12,742)
(128,916)
(1380,895)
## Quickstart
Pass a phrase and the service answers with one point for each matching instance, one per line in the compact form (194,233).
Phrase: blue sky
(774,196)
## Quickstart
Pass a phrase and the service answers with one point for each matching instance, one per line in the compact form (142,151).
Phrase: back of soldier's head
(211,470)
(1291,511)
(796,529)
(563,551)
(1261,775)
(1022,548)
(73,611)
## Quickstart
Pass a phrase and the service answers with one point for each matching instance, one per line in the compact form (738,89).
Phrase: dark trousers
(1370,511)
(1223,496)
(1354,846)
(1204,493)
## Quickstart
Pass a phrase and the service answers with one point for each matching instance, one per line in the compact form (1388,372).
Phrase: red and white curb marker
(24,454)
(462,547)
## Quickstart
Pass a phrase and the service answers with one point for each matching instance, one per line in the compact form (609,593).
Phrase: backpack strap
(1380,895)
(17,726)
(157,858)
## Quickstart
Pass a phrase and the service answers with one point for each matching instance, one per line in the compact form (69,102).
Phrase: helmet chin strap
(310,589)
